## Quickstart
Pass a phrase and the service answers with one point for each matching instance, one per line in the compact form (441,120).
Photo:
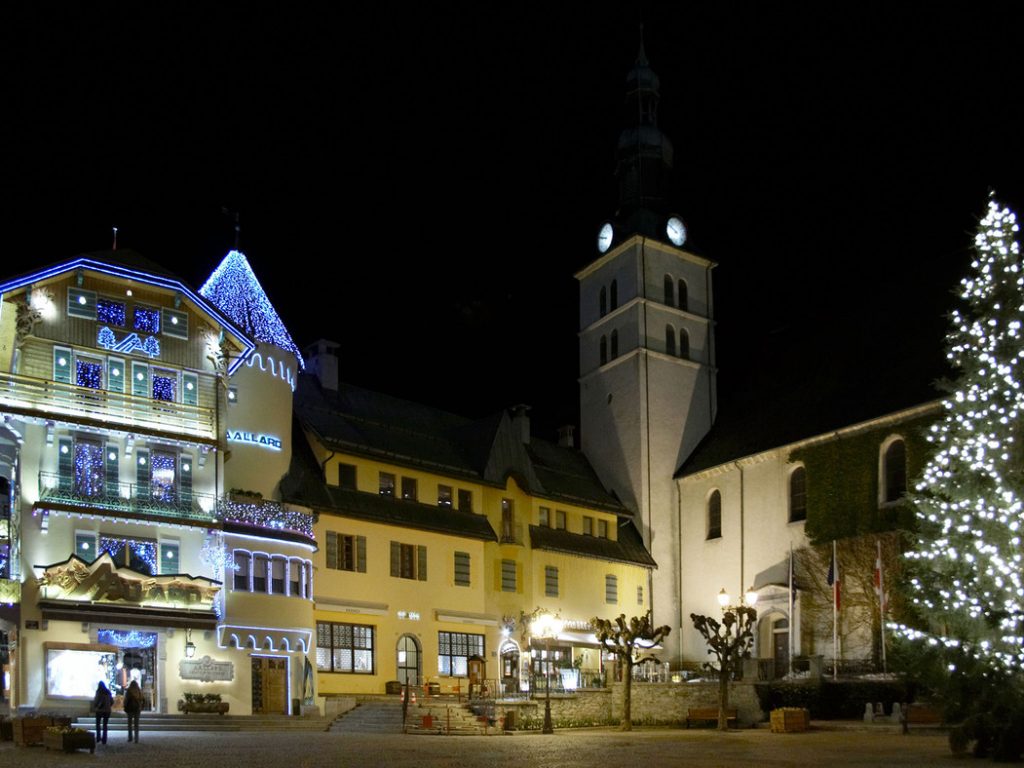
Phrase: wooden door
(269,686)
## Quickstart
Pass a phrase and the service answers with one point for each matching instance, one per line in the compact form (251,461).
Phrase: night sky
(421,184)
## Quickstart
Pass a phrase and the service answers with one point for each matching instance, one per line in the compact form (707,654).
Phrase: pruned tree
(729,641)
(623,638)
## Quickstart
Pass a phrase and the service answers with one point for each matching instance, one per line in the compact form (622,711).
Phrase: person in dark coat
(101,705)
(133,708)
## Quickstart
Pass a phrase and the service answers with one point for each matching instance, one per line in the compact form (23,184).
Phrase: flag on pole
(833,578)
(792,575)
(879,583)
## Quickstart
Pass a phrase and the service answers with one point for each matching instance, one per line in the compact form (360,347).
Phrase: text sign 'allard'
(206,670)
(269,442)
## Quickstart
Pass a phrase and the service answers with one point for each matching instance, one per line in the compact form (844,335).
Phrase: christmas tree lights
(234,289)
(968,559)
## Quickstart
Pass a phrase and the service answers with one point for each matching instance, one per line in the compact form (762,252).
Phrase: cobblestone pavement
(580,748)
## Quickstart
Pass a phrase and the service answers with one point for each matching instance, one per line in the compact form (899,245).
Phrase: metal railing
(268,515)
(59,399)
(137,498)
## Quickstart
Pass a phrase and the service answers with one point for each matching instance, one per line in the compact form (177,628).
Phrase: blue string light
(165,388)
(131,638)
(147,320)
(235,290)
(88,374)
(143,550)
(110,312)
(89,469)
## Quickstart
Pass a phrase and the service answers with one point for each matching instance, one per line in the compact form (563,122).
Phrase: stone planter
(790,720)
(69,741)
(211,708)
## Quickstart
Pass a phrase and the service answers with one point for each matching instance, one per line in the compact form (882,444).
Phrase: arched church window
(670,291)
(670,340)
(604,350)
(615,344)
(615,295)
(715,515)
(895,471)
(683,295)
(603,301)
(684,344)
(798,495)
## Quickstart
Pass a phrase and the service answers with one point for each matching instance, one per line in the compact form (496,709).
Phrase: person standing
(102,703)
(133,708)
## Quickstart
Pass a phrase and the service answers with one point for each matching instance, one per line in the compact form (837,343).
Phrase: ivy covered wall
(843,482)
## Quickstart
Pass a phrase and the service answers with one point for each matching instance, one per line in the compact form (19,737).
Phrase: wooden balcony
(53,400)
(130,499)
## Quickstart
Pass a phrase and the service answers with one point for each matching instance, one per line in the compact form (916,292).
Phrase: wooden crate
(790,720)
(69,741)
(29,730)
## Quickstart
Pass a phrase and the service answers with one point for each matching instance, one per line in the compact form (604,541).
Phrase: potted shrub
(68,738)
(242,496)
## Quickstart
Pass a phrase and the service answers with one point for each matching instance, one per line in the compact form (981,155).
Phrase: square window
(89,373)
(588,526)
(560,519)
(462,569)
(508,575)
(387,484)
(409,488)
(544,517)
(146,320)
(444,496)
(175,324)
(347,476)
(165,386)
(602,529)
(111,312)
(465,501)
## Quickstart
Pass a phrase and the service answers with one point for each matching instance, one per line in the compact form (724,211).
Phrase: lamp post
(547,625)
(729,641)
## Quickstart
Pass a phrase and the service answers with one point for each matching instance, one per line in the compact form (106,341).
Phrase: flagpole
(835,613)
(790,608)
(881,604)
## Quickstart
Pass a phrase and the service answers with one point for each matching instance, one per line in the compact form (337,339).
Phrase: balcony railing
(53,398)
(268,515)
(137,498)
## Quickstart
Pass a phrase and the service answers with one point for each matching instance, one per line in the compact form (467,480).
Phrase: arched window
(670,291)
(684,295)
(715,515)
(603,301)
(615,344)
(895,471)
(604,350)
(798,495)
(670,340)
(615,295)
(684,344)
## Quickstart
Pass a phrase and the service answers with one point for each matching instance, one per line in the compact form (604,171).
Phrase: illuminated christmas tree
(968,587)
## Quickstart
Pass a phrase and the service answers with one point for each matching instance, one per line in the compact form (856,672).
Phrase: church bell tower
(647,355)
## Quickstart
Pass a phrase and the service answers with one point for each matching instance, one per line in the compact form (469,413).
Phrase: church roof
(486,450)
(819,377)
(235,290)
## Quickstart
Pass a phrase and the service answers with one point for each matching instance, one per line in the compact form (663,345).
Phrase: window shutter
(112,467)
(81,303)
(361,554)
(396,559)
(185,479)
(62,365)
(66,463)
(421,563)
(189,389)
(519,577)
(140,380)
(332,549)
(115,375)
(142,474)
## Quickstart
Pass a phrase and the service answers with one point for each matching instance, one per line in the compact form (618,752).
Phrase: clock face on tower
(604,237)
(676,231)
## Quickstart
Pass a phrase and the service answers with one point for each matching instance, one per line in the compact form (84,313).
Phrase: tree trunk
(723,698)
(627,697)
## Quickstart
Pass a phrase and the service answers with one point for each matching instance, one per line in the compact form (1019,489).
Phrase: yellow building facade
(439,537)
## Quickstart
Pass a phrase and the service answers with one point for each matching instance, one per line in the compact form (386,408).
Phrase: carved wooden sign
(206,670)
(103,581)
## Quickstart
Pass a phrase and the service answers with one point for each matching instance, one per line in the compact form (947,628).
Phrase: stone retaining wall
(652,704)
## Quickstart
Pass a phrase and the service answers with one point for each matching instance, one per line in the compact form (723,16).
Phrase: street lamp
(547,625)
(729,641)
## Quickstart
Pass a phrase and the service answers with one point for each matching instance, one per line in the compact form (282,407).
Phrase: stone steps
(156,722)
(375,716)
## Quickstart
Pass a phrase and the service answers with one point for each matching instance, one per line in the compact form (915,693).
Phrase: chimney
(321,358)
(521,419)
(565,439)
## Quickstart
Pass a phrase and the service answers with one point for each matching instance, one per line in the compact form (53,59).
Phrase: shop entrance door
(269,685)
(408,661)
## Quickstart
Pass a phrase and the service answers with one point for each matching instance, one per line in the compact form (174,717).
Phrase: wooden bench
(921,714)
(706,714)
